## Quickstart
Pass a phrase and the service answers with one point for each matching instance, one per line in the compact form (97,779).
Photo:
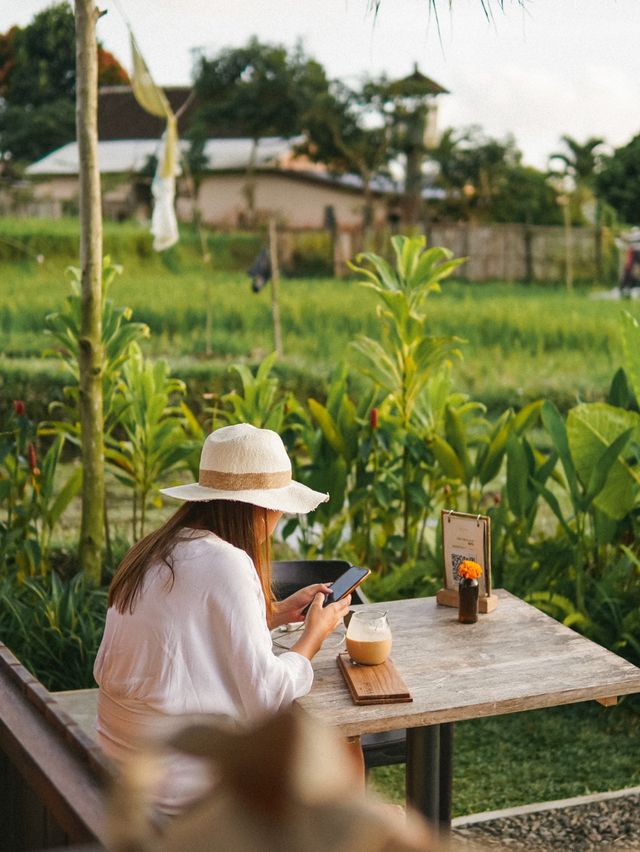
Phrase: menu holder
(466,536)
(380,684)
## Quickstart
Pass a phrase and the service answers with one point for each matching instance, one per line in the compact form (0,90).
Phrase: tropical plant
(31,503)
(259,400)
(53,626)
(153,442)
(119,333)
(471,449)
(406,358)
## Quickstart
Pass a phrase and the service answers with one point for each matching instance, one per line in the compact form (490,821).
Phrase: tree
(486,180)
(579,162)
(256,91)
(90,352)
(472,169)
(351,130)
(38,83)
(579,165)
(618,181)
(525,196)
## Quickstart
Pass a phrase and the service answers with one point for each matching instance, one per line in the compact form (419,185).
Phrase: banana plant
(600,482)
(598,477)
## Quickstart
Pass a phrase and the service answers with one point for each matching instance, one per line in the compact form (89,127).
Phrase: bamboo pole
(90,352)
(275,286)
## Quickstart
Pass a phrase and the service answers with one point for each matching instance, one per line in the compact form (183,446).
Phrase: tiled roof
(121,117)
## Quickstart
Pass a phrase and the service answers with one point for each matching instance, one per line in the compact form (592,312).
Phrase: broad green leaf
(66,494)
(457,439)
(554,505)
(591,429)
(555,426)
(600,471)
(446,457)
(517,477)
(526,417)
(631,349)
(492,460)
(328,427)
(619,391)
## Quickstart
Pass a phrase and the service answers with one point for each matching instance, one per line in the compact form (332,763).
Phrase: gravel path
(605,825)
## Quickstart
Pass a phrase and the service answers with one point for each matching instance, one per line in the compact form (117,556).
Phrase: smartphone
(344,585)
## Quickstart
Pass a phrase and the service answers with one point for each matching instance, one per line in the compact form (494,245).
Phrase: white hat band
(243,481)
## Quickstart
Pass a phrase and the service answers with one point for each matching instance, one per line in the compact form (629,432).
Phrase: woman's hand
(319,623)
(290,609)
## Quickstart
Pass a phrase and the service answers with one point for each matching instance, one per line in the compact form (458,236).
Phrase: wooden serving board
(373,684)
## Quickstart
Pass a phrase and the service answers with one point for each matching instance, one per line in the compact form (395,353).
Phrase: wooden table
(515,658)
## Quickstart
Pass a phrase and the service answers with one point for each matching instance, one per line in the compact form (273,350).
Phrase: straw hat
(250,465)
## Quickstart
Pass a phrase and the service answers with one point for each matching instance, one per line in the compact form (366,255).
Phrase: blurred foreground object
(629,244)
(288,784)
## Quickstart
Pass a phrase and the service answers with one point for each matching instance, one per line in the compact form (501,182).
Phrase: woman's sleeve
(259,681)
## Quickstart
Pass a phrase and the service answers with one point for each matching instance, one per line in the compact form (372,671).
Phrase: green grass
(522,342)
(538,755)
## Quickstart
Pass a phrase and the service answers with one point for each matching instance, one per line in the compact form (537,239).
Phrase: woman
(190,607)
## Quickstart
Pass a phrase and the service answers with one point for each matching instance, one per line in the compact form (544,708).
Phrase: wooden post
(565,202)
(90,355)
(275,285)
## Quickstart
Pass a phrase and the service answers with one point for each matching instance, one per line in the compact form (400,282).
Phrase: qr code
(456,560)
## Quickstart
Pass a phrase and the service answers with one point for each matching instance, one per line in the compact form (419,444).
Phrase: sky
(538,69)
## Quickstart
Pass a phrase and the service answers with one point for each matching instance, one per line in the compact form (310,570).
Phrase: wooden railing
(52,776)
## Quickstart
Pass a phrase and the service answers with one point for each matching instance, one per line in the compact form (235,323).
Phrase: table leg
(429,772)
(446,774)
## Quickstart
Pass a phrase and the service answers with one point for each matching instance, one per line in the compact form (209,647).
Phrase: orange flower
(469,569)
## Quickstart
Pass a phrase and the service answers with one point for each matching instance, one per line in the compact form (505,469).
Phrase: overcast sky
(538,70)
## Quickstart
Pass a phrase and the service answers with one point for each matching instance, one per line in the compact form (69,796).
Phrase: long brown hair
(241,524)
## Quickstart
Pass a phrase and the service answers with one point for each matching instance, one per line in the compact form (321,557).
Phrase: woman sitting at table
(191,607)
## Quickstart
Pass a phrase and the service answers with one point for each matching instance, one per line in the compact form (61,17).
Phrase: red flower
(373,418)
(19,407)
(32,457)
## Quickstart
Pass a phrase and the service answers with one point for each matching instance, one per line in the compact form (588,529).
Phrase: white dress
(201,645)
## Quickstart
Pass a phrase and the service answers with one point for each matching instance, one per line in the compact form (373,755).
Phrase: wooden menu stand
(466,536)
(449,597)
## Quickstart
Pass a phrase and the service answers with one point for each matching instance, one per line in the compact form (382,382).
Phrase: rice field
(520,341)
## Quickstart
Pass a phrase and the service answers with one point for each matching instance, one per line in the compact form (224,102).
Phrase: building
(300,193)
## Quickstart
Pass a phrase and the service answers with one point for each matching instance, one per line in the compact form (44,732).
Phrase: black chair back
(287,577)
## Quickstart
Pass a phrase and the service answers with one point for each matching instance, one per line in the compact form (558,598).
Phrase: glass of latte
(369,637)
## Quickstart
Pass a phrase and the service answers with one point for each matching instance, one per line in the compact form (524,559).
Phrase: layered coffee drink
(369,637)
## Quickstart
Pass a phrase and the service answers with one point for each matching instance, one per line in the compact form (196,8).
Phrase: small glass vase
(468,601)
